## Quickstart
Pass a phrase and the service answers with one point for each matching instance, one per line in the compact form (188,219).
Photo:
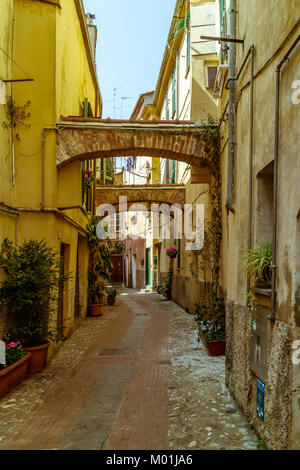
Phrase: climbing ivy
(16,116)
(211,138)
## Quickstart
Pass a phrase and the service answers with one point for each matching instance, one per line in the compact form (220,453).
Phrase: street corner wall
(242,382)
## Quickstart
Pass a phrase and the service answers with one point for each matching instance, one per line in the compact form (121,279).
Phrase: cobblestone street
(135,378)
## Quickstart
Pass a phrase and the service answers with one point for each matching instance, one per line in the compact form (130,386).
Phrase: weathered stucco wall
(281,426)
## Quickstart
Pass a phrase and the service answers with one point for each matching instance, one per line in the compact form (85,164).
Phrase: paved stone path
(136,378)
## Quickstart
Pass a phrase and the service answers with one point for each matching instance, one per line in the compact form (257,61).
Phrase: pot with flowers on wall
(172,252)
(211,325)
(111,296)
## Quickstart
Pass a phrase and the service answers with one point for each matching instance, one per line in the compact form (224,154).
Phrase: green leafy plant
(13,353)
(16,116)
(211,319)
(100,263)
(260,444)
(165,284)
(32,281)
(258,264)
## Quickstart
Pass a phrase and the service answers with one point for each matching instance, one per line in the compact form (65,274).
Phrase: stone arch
(93,138)
(141,194)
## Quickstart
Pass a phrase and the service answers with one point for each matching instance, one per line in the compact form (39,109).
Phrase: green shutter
(188,41)
(179,29)
(173,171)
(223,29)
(167,171)
(174,92)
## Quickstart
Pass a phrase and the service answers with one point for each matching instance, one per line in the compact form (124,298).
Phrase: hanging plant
(172,252)
(88,179)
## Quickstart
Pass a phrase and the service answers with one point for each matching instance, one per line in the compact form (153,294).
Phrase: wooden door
(117,271)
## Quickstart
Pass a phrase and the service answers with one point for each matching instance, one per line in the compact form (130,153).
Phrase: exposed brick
(180,144)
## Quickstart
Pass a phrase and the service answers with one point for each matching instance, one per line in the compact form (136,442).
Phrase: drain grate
(141,314)
(114,352)
(164,362)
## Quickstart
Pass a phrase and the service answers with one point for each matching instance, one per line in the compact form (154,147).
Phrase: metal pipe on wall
(45,129)
(275,177)
(252,49)
(231,107)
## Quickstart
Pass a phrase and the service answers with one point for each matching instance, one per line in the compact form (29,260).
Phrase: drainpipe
(275,177)
(252,48)
(231,107)
(44,131)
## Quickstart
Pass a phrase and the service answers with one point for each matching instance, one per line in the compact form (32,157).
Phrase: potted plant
(172,252)
(258,265)
(96,293)
(31,284)
(111,296)
(100,266)
(15,368)
(211,325)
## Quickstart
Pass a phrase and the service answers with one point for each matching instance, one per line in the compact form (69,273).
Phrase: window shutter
(174,97)
(167,171)
(173,171)
(188,41)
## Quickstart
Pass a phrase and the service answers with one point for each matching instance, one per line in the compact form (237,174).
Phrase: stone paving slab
(136,378)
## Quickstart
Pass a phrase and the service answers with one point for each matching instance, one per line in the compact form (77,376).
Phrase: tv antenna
(122,99)
(114,98)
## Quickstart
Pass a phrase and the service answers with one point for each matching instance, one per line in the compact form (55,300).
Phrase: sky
(132,36)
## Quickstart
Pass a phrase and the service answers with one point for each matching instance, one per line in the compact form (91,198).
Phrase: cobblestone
(201,413)
(25,397)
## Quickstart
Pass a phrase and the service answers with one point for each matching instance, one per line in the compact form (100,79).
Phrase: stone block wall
(242,382)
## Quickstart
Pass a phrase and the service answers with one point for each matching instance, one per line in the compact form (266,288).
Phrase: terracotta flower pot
(216,348)
(38,359)
(94,310)
(13,375)
(111,300)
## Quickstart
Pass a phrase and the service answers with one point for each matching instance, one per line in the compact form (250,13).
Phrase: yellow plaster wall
(73,78)
(6,71)
(48,45)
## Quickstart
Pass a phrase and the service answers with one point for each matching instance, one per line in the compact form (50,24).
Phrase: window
(173,180)
(223,30)
(188,41)
(211,76)
(107,171)
(167,171)
(167,106)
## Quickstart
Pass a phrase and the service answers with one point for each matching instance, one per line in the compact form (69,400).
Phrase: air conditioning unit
(220,79)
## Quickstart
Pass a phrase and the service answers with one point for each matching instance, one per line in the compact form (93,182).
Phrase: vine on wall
(211,137)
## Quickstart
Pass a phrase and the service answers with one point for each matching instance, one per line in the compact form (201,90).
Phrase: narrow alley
(135,378)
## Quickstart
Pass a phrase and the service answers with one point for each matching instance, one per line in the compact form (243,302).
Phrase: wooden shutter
(174,94)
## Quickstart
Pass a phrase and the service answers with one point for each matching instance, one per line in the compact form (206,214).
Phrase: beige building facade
(260,165)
